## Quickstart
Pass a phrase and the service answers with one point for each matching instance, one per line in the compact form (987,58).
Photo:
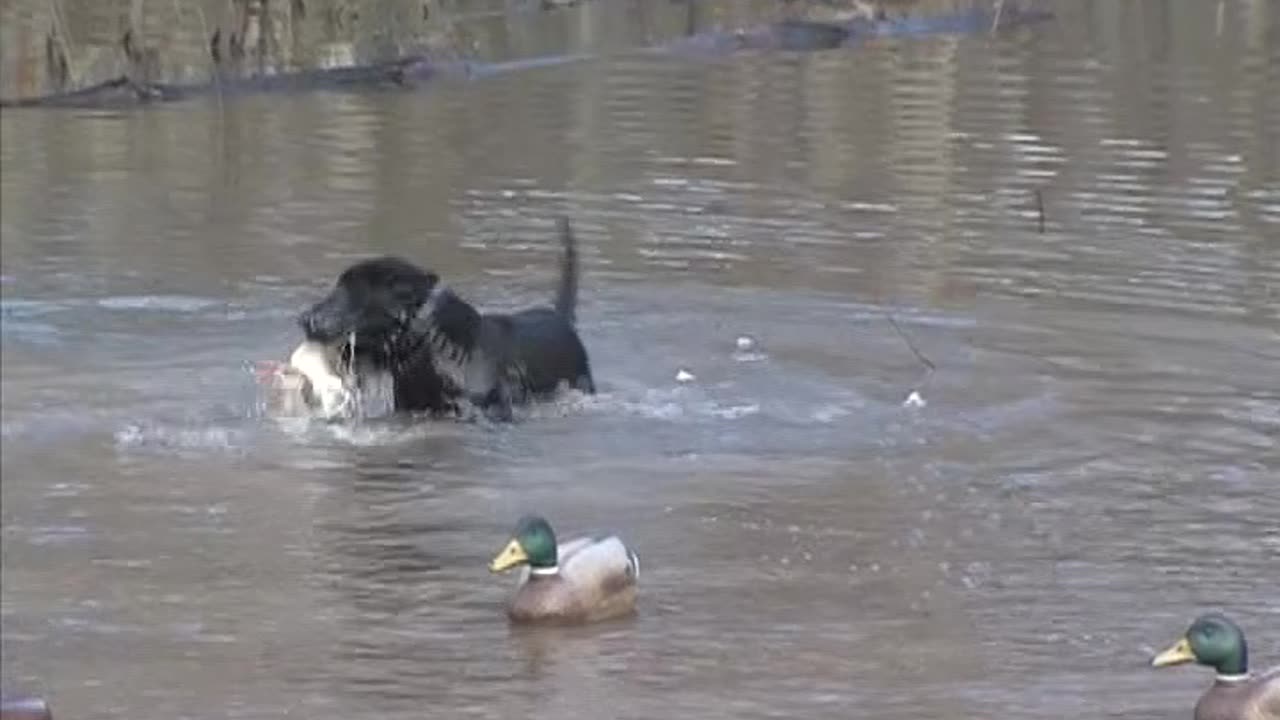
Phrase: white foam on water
(174,303)
(136,436)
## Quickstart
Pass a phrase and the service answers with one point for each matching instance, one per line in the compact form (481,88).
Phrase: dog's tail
(567,294)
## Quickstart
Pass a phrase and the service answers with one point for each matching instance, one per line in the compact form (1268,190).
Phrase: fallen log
(125,91)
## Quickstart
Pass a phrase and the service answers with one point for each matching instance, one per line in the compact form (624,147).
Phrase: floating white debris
(746,349)
(914,400)
(685,376)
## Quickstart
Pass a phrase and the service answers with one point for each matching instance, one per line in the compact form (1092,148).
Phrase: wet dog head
(372,304)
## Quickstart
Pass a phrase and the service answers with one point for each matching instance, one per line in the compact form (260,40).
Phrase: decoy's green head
(1211,640)
(532,543)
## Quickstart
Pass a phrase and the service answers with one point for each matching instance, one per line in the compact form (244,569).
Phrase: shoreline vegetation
(89,52)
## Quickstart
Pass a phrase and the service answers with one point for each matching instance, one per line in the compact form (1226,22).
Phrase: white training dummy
(315,362)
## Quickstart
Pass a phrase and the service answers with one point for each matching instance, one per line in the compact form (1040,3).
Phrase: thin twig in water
(914,399)
(1040,207)
(910,345)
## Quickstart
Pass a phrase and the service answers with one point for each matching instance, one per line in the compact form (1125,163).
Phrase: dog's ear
(455,319)
(415,290)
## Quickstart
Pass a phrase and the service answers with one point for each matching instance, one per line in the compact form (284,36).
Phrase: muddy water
(1095,462)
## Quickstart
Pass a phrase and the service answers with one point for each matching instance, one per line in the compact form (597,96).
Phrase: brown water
(1095,464)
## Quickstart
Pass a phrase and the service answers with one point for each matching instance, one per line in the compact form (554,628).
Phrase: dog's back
(546,345)
(547,350)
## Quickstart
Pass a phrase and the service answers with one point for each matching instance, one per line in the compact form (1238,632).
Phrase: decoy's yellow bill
(1179,653)
(513,554)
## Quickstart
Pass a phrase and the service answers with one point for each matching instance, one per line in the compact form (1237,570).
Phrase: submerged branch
(913,398)
(910,345)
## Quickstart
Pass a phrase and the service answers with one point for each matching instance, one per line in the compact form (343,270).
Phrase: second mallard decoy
(1236,694)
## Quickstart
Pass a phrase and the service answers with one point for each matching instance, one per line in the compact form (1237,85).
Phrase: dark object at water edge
(814,36)
(125,91)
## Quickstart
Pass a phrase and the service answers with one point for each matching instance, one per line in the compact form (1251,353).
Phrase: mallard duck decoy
(586,579)
(1236,694)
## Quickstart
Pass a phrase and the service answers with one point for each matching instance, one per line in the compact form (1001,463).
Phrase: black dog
(388,316)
